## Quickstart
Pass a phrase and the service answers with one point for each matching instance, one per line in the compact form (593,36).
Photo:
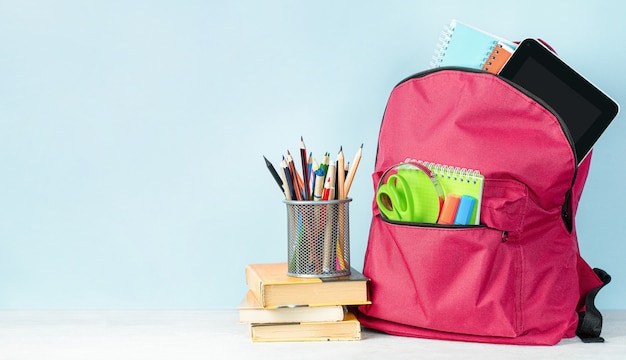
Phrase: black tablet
(585,109)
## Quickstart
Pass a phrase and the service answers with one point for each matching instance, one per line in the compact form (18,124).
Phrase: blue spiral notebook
(466,46)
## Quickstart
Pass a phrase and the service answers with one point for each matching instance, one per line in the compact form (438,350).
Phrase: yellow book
(273,288)
(250,311)
(347,329)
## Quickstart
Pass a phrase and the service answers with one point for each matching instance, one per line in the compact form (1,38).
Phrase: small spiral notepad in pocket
(460,181)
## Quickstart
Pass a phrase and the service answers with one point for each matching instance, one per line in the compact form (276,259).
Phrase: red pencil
(296,177)
(329,186)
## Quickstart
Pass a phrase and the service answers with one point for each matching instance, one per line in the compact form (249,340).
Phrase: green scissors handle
(394,199)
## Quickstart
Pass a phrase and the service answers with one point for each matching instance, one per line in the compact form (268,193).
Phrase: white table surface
(218,335)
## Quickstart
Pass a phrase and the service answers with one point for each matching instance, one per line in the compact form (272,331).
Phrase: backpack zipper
(431,225)
(504,233)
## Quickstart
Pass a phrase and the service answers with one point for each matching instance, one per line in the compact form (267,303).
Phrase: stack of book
(279,307)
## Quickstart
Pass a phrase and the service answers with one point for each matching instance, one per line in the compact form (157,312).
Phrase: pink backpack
(518,278)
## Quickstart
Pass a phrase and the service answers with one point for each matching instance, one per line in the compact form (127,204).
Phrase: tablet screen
(585,110)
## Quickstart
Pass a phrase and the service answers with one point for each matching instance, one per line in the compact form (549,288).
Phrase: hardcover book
(273,288)
(251,312)
(347,329)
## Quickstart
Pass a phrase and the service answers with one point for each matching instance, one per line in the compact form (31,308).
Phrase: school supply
(318,192)
(296,179)
(467,46)
(499,56)
(306,172)
(274,173)
(516,278)
(318,238)
(273,288)
(288,186)
(584,109)
(466,207)
(460,181)
(450,207)
(311,310)
(414,191)
(251,312)
(329,186)
(302,185)
(347,329)
(341,175)
(352,171)
(410,193)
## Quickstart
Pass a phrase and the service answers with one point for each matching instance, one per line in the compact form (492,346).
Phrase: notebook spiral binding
(450,172)
(492,57)
(442,46)
(488,55)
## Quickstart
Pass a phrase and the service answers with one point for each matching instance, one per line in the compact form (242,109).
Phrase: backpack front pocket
(463,280)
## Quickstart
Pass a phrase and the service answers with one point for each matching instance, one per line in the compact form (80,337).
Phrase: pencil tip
(361,145)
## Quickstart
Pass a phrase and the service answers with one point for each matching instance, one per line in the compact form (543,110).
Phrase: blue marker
(465,210)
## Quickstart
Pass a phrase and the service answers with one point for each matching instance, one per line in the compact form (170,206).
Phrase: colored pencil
(341,181)
(289,190)
(297,180)
(275,175)
(305,170)
(352,170)
(329,186)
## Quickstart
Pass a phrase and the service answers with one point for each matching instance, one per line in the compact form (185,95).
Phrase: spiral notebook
(460,181)
(498,57)
(466,46)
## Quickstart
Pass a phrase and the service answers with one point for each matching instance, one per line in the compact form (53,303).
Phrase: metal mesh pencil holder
(318,235)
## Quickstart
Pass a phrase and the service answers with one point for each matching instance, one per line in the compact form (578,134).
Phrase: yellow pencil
(352,171)
(341,180)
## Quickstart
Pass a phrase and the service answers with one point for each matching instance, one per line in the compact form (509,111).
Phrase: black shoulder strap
(590,320)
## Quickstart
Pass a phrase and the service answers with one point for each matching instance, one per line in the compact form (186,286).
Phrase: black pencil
(272,170)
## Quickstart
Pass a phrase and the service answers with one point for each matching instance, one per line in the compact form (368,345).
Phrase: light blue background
(132,134)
